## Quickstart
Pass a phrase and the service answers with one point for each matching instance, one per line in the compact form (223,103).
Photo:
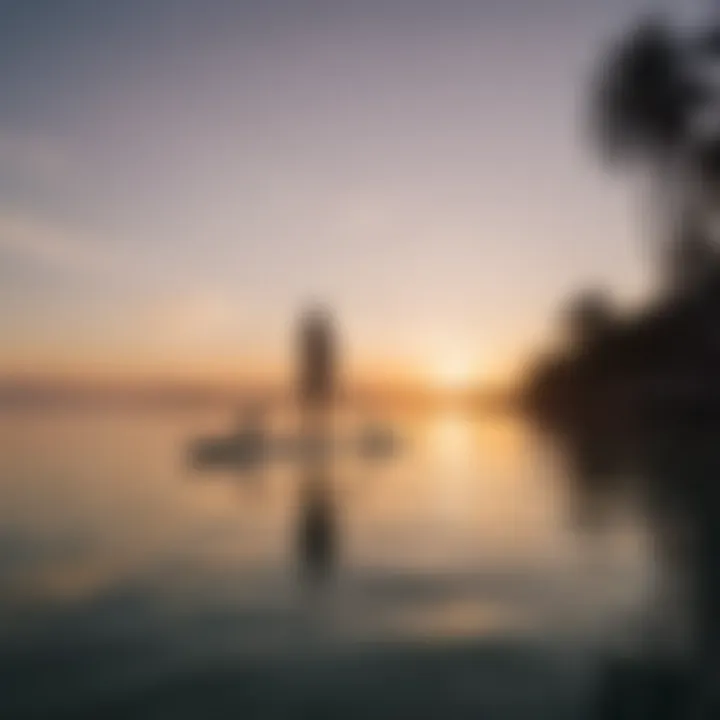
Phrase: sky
(179,178)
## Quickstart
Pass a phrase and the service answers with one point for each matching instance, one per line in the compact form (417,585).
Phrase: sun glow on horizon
(454,374)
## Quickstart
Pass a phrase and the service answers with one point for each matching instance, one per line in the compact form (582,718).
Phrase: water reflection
(667,471)
(319,456)
(317,539)
(453,555)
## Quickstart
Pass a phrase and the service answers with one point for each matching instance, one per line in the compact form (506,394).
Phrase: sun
(454,374)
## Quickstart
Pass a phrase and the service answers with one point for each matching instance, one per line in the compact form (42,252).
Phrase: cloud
(30,236)
(41,242)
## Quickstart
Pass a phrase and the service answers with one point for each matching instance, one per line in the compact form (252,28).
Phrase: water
(136,586)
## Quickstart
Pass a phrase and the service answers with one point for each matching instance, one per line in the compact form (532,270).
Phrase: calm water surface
(136,586)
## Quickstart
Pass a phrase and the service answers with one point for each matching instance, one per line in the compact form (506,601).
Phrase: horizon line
(19,389)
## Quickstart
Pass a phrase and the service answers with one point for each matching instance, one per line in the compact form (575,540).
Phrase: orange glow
(455,373)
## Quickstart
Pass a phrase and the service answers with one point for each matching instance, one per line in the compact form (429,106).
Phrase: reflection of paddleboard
(250,448)
(240,449)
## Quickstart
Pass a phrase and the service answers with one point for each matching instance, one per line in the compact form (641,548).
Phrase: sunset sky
(179,177)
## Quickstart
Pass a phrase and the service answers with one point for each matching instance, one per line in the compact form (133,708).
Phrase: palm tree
(646,101)
(645,96)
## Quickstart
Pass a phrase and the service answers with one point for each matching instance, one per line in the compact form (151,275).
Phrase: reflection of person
(317,532)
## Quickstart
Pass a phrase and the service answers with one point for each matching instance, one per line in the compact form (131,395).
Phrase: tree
(648,100)
(645,96)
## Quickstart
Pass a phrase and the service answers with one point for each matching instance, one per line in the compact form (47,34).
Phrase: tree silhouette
(646,96)
(652,105)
